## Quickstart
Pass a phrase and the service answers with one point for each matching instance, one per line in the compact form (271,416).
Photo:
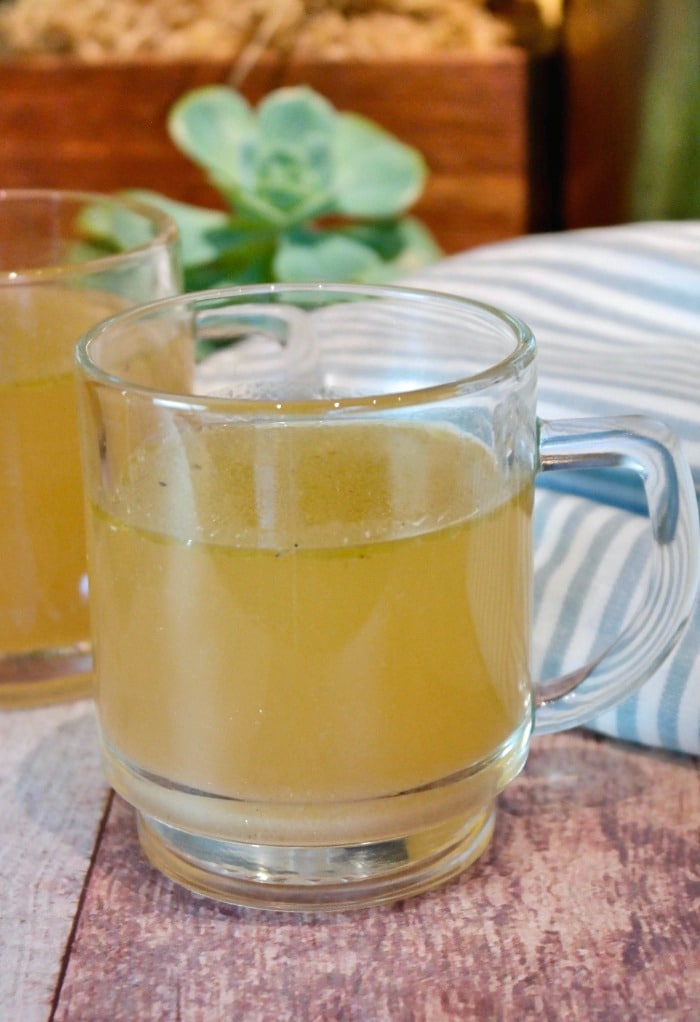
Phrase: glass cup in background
(311,576)
(56,281)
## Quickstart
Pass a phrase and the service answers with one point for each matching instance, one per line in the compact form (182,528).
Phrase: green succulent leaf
(276,167)
(292,163)
(112,229)
(332,256)
(218,249)
(204,233)
(212,125)
(295,113)
(375,174)
(404,246)
(313,194)
(245,264)
(296,158)
(362,253)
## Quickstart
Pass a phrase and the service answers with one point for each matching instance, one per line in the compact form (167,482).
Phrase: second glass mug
(310,582)
(56,280)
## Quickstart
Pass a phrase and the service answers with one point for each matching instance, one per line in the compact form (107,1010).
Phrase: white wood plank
(52,798)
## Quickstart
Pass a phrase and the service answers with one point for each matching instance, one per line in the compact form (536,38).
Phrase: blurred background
(533,115)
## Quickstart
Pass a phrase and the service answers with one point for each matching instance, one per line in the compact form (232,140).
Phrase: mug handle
(653,452)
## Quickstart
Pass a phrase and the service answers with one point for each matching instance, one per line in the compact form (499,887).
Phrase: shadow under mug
(311,577)
(58,277)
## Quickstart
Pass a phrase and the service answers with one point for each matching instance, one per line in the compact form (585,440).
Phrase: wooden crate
(488,127)
(608,49)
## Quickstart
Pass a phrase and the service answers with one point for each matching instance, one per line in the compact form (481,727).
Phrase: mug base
(46,676)
(316,879)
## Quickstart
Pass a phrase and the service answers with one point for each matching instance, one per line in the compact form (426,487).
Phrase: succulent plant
(312,193)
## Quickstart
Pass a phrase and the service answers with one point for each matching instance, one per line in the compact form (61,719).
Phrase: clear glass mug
(56,281)
(311,578)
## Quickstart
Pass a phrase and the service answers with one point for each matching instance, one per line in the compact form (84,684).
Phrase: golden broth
(311,613)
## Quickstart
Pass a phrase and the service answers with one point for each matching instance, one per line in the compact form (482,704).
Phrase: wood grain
(483,124)
(585,907)
(52,798)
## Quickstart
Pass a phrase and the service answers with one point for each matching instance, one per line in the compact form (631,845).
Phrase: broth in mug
(295,613)
(43,586)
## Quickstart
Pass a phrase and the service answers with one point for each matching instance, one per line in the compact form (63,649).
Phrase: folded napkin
(616,314)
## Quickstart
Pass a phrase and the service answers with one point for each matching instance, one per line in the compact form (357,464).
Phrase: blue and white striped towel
(616,313)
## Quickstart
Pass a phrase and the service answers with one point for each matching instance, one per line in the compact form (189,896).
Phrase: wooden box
(612,76)
(489,128)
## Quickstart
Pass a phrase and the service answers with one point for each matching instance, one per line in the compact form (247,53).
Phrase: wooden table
(586,906)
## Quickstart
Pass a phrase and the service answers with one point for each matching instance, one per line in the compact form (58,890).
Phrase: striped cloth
(616,312)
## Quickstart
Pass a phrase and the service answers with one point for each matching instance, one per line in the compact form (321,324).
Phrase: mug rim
(166,233)
(518,358)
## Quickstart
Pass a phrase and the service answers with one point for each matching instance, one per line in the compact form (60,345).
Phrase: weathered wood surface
(586,906)
(52,798)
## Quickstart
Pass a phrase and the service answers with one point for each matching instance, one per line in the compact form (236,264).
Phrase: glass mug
(311,577)
(55,283)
